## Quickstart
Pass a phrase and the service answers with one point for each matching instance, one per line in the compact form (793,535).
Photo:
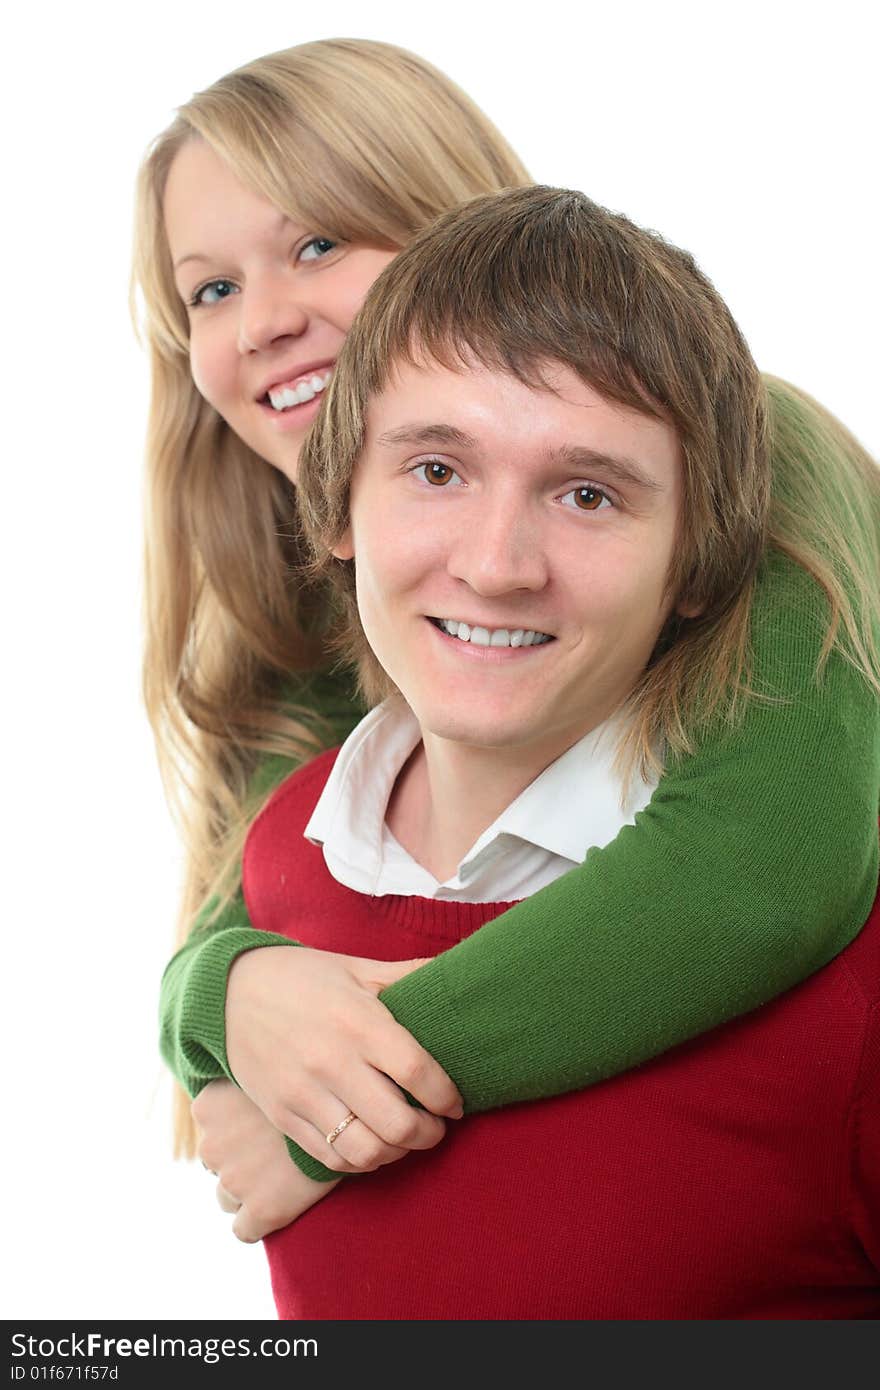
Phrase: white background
(746,132)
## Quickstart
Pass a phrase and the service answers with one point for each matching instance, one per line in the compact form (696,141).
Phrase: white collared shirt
(574,805)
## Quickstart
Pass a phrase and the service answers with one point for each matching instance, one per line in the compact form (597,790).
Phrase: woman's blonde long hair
(362,142)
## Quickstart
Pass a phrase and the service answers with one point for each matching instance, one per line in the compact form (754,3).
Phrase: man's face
(512,548)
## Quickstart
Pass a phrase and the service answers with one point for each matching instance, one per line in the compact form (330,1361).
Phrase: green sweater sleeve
(755,863)
(192,1001)
(192,1007)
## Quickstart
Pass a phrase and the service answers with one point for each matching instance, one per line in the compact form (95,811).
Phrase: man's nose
(270,310)
(499,552)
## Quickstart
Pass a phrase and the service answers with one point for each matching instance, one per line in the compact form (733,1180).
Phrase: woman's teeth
(494,637)
(283,397)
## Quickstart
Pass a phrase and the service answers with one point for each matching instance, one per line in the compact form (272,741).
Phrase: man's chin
(484,729)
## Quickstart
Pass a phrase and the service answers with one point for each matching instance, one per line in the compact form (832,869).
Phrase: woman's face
(269,301)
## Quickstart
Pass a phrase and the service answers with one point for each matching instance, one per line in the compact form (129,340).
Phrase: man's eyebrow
(623,470)
(574,458)
(423,436)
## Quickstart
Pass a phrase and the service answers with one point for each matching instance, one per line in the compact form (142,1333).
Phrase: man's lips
(480,635)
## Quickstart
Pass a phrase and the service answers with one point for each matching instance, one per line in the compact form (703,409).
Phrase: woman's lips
(293,417)
(298,390)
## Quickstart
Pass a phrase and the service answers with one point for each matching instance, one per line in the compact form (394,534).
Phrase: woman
(311,167)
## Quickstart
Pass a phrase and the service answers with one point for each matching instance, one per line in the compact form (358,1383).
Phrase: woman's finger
(383,1109)
(358,1142)
(402,1058)
(314,1142)
(247,1228)
(226,1199)
(387,1128)
(285,1199)
(355,1149)
(358,1149)
(415,1071)
(379,974)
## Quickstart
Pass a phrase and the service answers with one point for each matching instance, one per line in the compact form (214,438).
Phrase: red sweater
(737,1176)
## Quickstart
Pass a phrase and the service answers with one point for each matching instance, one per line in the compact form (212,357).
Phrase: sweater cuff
(423,1005)
(201,1019)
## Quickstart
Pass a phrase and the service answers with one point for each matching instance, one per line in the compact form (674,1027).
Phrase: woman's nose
(269,312)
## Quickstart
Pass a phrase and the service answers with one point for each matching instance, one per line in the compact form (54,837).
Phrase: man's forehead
(458,359)
(434,402)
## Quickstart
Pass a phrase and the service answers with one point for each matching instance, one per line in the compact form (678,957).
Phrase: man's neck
(448,793)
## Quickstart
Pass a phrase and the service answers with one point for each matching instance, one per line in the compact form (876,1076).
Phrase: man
(541,509)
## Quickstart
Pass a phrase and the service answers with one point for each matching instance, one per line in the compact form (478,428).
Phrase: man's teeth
(282,398)
(495,637)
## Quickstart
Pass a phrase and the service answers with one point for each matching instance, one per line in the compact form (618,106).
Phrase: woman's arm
(192,998)
(194,1037)
(755,863)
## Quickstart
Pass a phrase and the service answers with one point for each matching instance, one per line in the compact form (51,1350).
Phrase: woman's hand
(256,1179)
(309,1041)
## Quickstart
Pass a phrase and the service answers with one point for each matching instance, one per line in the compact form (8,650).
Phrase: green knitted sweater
(755,863)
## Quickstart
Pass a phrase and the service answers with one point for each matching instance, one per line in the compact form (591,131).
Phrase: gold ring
(343,1124)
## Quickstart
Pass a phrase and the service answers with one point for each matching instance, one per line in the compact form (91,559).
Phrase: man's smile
(480,636)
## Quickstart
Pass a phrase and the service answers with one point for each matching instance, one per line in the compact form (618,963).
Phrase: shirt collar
(351,808)
(574,804)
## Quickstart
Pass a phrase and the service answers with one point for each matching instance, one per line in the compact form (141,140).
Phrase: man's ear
(344,547)
(687,606)
(689,610)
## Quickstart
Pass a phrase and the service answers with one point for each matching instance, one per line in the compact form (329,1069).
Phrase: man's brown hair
(537,276)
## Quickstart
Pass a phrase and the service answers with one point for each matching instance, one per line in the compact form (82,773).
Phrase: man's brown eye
(589,499)
(438,473)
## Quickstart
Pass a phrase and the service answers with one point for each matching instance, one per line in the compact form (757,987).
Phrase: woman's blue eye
(213,292)
(316,248)
(587,499)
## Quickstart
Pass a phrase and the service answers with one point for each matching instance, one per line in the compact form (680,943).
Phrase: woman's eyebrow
(426,435)
(279,225)
(193,256)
